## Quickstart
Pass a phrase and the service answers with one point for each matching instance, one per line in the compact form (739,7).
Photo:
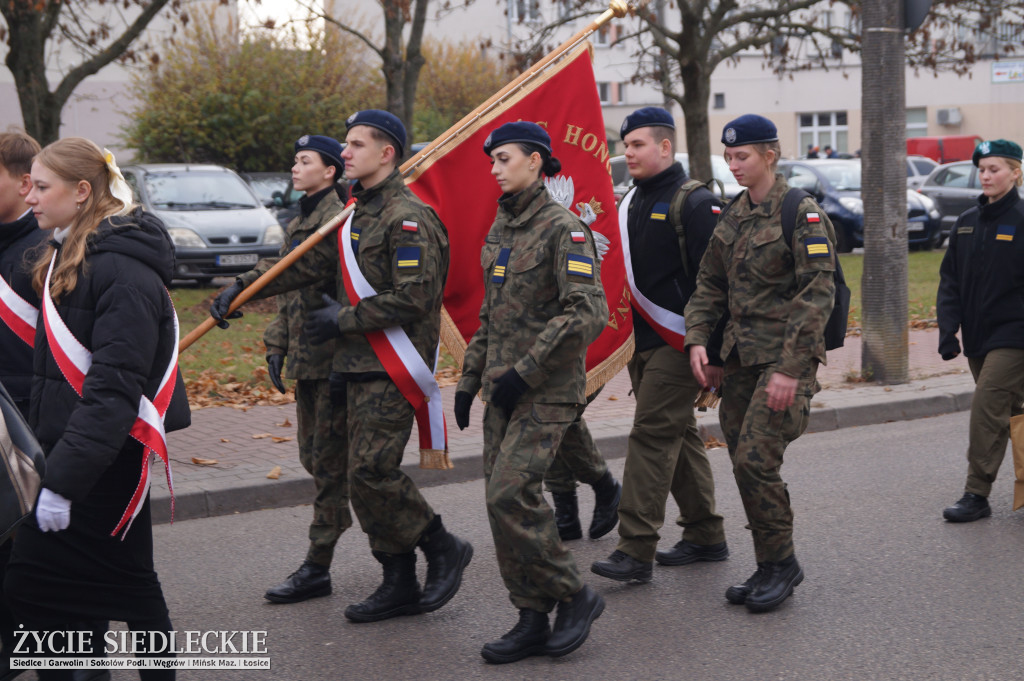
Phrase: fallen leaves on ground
(274,473)
(285,424)
(713,443)
(447,376)
(261,436)
(212,388)
(199,461)
(275,438)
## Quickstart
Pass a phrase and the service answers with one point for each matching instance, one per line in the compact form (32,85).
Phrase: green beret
(1004,148)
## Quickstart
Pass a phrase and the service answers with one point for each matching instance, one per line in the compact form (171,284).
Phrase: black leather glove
(507,390)
(949,347)
(219,306)
(338,388)
(275,363)
(463,401)
(322,325)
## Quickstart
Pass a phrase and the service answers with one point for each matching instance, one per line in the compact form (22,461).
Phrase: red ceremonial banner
(457,182)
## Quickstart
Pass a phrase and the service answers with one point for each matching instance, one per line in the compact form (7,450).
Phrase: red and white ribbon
(398,355)
(17,313)
(74,360)
(669,325)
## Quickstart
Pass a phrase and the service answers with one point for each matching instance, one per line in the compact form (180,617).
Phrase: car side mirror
(276,199)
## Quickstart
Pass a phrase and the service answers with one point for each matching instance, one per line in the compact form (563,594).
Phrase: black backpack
(678,216)
(835,328)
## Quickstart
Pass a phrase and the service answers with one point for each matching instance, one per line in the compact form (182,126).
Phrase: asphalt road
(892,591)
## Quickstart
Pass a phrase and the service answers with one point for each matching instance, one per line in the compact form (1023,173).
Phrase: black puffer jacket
(981,284)
(121,312)
(17,243)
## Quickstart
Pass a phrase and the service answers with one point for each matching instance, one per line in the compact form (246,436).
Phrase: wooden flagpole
(252,289)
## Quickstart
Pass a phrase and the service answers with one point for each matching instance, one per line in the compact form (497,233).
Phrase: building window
(719,100)
(524,10)
(622,94)
(824,129)
(602,37)
(604,92)
(917,122)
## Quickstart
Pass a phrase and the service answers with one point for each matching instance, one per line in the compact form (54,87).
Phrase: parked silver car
(218,225)
(621,181)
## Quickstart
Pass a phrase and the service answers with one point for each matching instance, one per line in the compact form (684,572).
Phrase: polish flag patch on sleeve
(578,237)
(410,226)
(716,210)
(813,217)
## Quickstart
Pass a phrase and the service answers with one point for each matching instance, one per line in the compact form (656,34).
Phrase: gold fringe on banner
(435,459)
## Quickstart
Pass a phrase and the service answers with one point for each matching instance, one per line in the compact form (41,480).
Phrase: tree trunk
(884,284)
(40,112)
(696,93)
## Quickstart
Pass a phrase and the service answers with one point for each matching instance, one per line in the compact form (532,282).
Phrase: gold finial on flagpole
(619,7)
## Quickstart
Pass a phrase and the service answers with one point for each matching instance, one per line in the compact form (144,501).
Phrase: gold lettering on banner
(590,142)
(572,134)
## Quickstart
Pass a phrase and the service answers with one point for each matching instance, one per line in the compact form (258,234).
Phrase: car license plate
(242,259)
(915,227)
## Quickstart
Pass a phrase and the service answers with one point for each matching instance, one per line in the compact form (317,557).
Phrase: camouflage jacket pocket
(530,278)
(554,413)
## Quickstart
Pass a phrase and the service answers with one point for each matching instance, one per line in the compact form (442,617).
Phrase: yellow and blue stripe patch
(1006,232)
(355,239)
(817,247)
(498,275)
(660,211)
(580,266)
(408,257)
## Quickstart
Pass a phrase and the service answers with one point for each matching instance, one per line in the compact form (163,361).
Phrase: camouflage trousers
(537,569)
(665,454)
(323,452)
(757,437)
(998,393)
(390,508)
(577,458)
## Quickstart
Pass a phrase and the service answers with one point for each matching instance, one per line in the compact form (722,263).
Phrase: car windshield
(197,190)
(266,186)
(842,176)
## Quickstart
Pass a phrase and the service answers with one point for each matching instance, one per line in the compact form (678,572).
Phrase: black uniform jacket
(17,255)
(981,287)
(121,312)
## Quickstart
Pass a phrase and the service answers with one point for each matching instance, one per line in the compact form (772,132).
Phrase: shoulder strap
(675,215)
(790,204)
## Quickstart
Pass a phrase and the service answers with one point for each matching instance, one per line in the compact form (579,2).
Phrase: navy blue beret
(328,146)
(384,121)
(520,131)
(646,117)
(749,129)
(1004,148)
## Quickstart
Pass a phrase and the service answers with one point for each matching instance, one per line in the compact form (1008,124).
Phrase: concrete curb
(225,498)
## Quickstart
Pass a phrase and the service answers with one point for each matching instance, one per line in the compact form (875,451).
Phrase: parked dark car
(217,224)
(835,184)
(918,170)
(276,193)
(954,187)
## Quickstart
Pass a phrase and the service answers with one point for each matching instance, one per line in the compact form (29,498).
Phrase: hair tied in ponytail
(118,186)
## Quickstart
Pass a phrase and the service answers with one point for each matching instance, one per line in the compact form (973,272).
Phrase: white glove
(587,213)
(53,512)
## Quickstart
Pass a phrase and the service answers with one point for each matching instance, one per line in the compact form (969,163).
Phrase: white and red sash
(74,360)
(669,325)
(17,313)
(398,355)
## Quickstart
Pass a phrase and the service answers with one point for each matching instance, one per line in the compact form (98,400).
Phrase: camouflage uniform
(577,458)
(779,296)
(323,442)
(543,305)
(389,221)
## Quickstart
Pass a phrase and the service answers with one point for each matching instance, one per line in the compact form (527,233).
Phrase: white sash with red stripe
(17,313)
(74,360)
(398,355)
(669,325)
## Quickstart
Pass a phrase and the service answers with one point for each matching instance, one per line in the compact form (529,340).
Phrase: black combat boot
(737,594)
(567,515)
(607,493)
(776,585)
(528,637)
(447,556)
(309,581)
(623,567)
(971,507)
(686,552)
(398,594)
(572,624)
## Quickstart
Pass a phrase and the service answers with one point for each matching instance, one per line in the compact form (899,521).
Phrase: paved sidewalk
(238,482)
